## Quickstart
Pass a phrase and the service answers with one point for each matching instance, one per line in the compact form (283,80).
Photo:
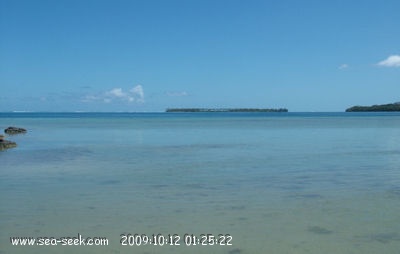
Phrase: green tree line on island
(225,110)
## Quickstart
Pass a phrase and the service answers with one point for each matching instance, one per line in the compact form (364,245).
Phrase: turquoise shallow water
(277,183)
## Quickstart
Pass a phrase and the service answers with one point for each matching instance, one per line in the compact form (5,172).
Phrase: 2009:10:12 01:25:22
(175,239)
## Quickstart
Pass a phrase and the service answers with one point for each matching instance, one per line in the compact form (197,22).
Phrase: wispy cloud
(136,94)
(343,66)
(391,61)
(177,94)
(117,93)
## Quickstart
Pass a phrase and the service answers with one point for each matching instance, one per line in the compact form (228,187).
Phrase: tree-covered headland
(376,108)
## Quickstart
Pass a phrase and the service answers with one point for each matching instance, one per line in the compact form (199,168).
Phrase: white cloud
(116,92)
(343,66)
(138,92)
(135,94)
(391,61)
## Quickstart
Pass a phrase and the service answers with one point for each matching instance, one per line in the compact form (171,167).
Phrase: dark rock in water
(14,130)
(235,251)
(5,144)
(383,237)
(319,230)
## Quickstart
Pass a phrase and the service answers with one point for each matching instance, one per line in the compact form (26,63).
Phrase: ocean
(223,183)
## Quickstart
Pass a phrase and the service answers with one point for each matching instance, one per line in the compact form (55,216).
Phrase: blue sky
(94,55)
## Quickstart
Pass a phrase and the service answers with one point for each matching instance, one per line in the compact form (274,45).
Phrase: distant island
(376,108)
(225,110)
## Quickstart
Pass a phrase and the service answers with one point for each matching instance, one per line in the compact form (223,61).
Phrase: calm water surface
(277,183)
